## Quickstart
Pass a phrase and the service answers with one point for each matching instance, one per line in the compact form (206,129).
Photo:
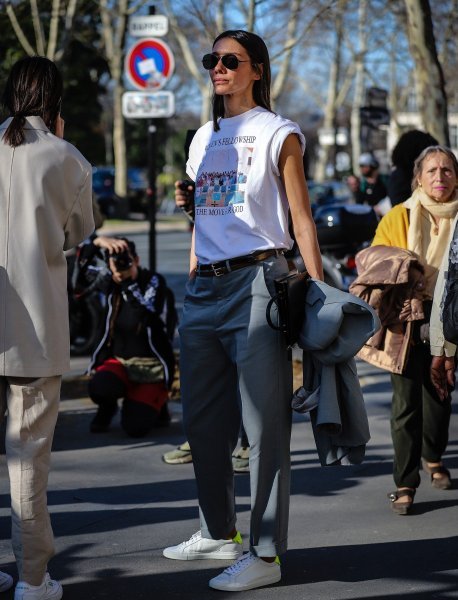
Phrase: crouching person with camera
(134,360)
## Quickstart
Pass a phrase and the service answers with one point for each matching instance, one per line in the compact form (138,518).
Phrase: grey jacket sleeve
(438,344)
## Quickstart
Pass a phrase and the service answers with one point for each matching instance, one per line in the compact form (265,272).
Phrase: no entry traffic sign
(149,64)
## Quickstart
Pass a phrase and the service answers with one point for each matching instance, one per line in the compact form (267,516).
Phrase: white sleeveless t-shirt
(240,201)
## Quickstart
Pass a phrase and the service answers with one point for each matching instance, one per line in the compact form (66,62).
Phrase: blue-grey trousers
(230,356)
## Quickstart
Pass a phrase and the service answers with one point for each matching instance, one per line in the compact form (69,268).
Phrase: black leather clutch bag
(291,291)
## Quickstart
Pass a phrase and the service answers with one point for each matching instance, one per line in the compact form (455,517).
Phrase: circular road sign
(149,64)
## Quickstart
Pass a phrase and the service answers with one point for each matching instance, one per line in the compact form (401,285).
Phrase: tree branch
(53,29)
(22,38)
(39,37)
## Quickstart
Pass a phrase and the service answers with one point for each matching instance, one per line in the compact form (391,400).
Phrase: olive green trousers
(419,420)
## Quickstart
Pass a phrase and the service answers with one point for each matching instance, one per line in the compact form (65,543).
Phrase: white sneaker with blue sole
(247,573)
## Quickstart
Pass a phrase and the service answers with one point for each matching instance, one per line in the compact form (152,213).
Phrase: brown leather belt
(232,264)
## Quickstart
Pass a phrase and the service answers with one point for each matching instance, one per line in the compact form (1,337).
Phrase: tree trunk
(329,122)
(113,34)
(430,85)
(119,143)
(358,97)
(291,32)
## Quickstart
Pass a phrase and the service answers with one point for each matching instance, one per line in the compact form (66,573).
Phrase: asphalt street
(115,505)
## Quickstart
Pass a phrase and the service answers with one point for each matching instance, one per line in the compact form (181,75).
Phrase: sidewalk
(115,505)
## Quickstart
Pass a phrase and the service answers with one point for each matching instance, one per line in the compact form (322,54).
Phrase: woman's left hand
(443,375)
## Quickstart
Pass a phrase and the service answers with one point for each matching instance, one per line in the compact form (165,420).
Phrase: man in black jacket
(134,360)
(370,188)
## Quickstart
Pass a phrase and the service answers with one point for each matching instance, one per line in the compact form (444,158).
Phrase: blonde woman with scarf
(419,416)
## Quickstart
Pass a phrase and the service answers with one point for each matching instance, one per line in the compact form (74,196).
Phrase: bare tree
(358,96)
(59,31)
(330,116)
(429,77)
(114,25)
(209,18)
(184,42)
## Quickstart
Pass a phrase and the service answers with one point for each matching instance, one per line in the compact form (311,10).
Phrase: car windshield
(328,192)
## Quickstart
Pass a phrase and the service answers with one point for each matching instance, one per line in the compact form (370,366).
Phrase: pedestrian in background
(45,208)
(248,170)
(419,416)
(409,146)
(370,187)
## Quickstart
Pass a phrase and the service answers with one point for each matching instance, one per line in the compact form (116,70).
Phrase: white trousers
(32,405)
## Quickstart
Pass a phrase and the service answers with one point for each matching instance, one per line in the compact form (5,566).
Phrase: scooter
(343,230)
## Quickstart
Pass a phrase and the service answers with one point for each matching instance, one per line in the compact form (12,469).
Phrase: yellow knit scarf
(420,203)
(424,237)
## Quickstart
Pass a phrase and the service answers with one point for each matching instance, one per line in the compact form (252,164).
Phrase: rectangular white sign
(152,25)
(148,105)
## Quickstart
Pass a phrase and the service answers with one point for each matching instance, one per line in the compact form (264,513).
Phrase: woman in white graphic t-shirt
(232,363)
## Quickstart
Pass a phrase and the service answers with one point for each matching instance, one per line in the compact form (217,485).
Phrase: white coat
(45,208)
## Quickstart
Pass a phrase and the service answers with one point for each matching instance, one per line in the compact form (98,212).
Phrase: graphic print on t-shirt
(223,174)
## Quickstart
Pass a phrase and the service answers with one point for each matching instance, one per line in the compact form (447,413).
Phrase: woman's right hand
(183,197)
(113,245)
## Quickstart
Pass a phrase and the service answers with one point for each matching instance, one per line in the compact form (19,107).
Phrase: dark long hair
(408,147)
(259,55)
(34,88)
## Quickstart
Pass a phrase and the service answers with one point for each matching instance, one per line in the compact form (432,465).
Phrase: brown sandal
(440,483)
(402,508)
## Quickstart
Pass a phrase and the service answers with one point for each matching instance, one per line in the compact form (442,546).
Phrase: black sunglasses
(230,61)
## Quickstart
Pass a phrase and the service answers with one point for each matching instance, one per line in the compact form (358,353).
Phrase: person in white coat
(45,208)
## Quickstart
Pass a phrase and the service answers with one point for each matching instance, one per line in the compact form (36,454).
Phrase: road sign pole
(152,193)
(148,66)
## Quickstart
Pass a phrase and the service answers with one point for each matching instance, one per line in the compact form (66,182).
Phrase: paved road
(115,505)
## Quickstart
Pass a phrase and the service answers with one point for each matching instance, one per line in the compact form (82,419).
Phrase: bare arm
(292,174)
(192,256)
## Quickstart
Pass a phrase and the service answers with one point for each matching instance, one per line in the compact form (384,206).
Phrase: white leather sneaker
(199,548)
(48,590)
(6,581)
(247,573)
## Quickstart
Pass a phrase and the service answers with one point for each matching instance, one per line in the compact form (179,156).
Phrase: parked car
(103,189)
(111,205)
(137,184)
(329,192)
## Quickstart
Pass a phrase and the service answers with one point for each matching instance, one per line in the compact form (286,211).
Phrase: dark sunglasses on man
(230,61)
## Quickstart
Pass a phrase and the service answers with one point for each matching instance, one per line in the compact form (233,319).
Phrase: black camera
(122,260)
(184,185)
